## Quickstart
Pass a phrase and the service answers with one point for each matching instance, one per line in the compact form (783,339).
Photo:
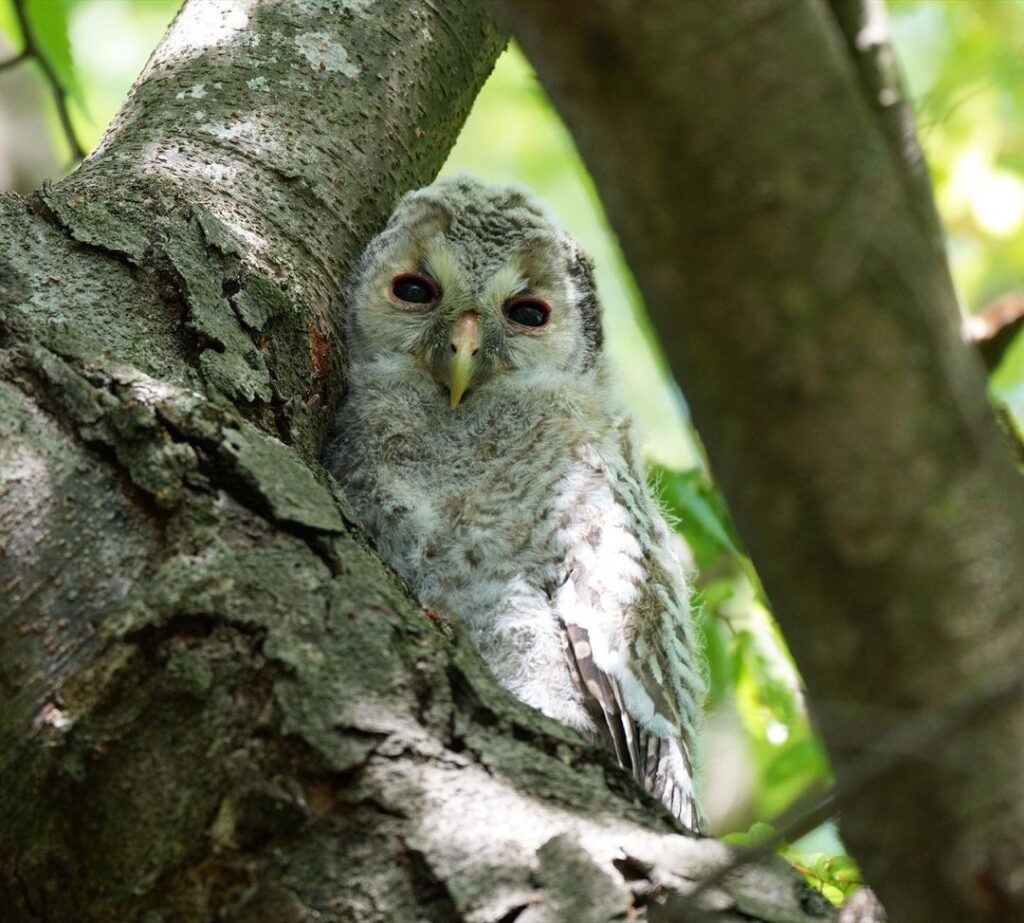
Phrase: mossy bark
(755,160)
(218,704)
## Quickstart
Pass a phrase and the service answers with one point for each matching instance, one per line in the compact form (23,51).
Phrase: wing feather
(623,608)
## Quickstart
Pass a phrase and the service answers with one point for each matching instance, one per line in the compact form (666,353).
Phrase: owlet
(484,449)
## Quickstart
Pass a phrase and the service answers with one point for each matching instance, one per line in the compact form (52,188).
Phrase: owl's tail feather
(669,776)
(602,698)
(660,764)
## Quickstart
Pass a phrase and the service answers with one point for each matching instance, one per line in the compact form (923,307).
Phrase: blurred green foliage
(47,21)
(964,66)
(964,63)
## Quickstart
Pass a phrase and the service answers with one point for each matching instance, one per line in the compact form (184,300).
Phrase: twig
(994,327)
(992,331)
(11,62)
(32,50)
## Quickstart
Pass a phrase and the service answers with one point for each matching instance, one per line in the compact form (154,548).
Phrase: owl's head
(473,286)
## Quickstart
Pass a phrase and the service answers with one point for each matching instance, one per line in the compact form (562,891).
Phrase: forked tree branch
(218,703)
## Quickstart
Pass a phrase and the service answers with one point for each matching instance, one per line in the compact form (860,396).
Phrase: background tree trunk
(218,703)
(766,192)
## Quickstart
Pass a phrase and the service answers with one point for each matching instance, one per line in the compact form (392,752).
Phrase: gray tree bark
(758,164)
(218,704)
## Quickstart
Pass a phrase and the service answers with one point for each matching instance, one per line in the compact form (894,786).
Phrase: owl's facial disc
(462,360)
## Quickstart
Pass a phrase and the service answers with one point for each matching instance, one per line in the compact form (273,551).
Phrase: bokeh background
(963,61)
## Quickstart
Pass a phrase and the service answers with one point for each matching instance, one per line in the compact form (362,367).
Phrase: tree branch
(864,25)
(995,327)
(913,739)
(294,127)
(808,314)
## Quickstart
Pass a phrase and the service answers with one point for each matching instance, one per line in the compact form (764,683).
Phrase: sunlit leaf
(9,25)
(836,876)
(758,833)
(716,642)
(797,765)
(49,24)
(691,499)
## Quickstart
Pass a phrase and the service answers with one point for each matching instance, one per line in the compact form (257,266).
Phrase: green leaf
(9,25)
(836,876)
(798,766)
(716,644)
(759,833)
(690,497)
(48,22)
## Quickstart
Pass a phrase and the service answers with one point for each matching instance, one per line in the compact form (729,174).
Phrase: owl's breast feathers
(529,519)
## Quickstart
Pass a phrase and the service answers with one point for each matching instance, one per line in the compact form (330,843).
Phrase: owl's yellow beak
(465,345)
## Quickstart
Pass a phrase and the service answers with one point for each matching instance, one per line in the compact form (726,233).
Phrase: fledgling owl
(483,447)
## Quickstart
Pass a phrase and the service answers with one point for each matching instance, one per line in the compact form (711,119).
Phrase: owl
(484,449)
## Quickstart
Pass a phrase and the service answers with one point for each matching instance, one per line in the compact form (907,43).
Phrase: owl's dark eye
(528,312)
(414,289)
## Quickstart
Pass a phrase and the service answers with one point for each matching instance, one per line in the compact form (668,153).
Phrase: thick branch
(274,115)
(865,26)
(807,312)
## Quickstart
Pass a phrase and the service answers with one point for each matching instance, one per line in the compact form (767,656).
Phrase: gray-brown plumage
(483,447)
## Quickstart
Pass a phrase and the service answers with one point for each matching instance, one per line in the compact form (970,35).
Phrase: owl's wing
(623,605)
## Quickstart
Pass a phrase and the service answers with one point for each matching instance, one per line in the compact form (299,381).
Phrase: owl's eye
(414,289)
(528,312)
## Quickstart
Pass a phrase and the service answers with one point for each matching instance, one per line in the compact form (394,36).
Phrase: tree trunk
(218,703)
(765,189)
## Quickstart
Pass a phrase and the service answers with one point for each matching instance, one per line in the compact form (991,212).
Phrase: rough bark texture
(218,704)
(776,228)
